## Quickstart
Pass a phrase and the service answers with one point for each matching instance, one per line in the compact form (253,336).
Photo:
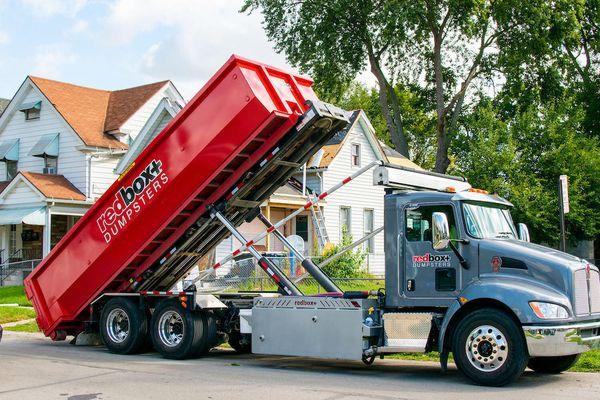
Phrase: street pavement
(33,367)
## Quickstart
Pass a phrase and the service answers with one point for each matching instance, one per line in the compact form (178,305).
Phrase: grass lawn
(13,314)
(589,362)
(13,295)
(28,327)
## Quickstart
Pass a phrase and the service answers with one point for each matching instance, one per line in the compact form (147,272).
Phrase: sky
(114,44)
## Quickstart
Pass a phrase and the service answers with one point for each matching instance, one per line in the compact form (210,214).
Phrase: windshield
(485,220)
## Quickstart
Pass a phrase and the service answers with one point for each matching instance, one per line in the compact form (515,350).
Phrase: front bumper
(562,340)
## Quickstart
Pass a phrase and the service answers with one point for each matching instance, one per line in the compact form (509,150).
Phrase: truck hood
(543,264)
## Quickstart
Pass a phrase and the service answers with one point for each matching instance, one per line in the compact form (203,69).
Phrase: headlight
(548,310)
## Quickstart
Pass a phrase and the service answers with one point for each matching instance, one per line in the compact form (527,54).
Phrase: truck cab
(497,301)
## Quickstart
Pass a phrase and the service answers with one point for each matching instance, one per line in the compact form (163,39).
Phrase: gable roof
(334,145)
(53,186)
(90,111)
(165,109)
(124,103)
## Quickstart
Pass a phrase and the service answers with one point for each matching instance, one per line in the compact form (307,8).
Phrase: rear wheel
(123,326)
(489,348)
(178,333)
(552,365)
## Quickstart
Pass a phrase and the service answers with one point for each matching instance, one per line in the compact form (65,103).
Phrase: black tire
(241,343)
(189,325)
(210,329)
(123,326)
(552,365)
(501,355)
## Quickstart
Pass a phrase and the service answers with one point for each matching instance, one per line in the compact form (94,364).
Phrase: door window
(302,227)
(418,222)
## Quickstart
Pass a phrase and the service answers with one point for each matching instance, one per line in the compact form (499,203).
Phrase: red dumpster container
(232,122)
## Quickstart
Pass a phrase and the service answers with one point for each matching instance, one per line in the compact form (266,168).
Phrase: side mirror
(440,231)
(524,232)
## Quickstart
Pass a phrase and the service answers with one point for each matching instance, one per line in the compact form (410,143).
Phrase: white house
(59,146)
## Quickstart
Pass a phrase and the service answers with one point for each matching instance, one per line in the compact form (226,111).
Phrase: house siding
(102,174)
(21,195)
(136,122)
(360,194)
(70,160)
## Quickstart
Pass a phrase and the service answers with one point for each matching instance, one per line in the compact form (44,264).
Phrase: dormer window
(31,110)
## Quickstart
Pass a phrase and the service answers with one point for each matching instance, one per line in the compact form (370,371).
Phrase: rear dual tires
(178,333)
(489,348)
(123,326)
(552,365)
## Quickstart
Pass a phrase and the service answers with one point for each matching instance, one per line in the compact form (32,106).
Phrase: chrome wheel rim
(117,325)
(170,328)
(486,348)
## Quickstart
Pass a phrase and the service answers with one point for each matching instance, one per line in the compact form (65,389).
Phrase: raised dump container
(246,115)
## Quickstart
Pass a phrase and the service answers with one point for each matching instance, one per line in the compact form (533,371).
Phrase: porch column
(46,234)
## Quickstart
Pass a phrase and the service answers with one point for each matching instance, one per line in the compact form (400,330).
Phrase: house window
(32,114)
(345,221)
(31,110)
(355,155)
(302,227)
(368,228)
(50,165)
(12,167)
(12,241)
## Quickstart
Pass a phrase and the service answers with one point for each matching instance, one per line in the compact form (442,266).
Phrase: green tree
(442,45)
(336,40)
(418,117)
(521,157)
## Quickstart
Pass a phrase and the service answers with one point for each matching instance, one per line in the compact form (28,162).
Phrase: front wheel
(552,365)
(489,348)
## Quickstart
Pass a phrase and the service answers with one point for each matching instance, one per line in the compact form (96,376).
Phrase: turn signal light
(451,189)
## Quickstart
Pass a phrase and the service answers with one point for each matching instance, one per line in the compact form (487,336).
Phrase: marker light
(473,190)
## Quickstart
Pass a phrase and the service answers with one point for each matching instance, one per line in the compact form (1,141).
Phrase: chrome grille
(580,286)
(595,291)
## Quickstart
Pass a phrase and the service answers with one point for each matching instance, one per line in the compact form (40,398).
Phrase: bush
(348,265)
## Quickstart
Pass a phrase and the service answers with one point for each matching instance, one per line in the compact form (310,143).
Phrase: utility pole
(563,193)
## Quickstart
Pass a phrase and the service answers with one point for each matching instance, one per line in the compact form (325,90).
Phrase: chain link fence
(244,275)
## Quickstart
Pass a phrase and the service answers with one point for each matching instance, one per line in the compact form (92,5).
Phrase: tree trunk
(390,108)
(441,157)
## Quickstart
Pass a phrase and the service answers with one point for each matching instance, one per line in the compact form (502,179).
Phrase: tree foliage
(521,157)
(349,264)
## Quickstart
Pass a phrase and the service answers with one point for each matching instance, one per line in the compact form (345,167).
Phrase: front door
(429,273)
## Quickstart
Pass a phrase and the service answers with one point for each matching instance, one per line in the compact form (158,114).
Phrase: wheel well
(473,305)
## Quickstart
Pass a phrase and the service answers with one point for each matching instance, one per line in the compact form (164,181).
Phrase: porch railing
(8,269)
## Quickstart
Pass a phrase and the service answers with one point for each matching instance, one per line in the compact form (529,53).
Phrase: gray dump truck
(461,278)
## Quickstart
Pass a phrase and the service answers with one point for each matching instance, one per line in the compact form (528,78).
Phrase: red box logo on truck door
(130,200)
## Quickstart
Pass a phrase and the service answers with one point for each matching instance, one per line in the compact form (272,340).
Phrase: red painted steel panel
(242,101)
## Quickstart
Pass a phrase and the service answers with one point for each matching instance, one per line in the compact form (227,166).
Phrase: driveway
(33,367)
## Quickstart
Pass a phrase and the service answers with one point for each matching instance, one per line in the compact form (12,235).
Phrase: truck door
(428,273)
